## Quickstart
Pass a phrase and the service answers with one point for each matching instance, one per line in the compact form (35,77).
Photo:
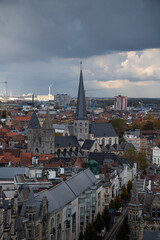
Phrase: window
(58,219)
(153,212)
(30,234)
(67,224)
(52,223)
(80,130)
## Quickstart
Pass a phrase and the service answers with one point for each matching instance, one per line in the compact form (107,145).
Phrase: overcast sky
(118,41)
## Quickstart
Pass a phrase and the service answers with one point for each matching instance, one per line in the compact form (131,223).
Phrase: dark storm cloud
(38,30)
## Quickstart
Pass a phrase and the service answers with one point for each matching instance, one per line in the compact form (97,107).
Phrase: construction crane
(141,106)
(6,88)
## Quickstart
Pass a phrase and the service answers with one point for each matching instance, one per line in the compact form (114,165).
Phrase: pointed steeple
(81,113)
(31,200)
(47,122)
(34,122)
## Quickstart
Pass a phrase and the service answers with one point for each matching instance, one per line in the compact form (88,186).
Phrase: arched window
(58,219)
(52,223)
(37,151)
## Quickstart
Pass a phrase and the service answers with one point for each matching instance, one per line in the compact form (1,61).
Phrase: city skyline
(42,43)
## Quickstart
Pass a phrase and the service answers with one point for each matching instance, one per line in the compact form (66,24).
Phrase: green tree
(148,126)
(129,187)
(90,232)
(124,231)
(119,126)
(105,216)
(124,194)
(142,160)
(112,204)
(130,154)
(81,236)
(117,202)
(99,223)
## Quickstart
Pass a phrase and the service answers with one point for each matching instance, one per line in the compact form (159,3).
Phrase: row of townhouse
(62,211)
(118,177)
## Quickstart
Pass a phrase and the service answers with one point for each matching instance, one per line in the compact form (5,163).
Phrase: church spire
(48,121)
(81,113)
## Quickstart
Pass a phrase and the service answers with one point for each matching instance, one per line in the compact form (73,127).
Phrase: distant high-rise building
(120,103)
(62,99)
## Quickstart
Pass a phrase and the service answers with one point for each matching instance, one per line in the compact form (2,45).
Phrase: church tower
(81,123)
(47,135)
(34,133)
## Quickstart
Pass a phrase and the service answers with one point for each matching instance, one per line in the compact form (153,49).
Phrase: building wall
(120,103)
(81,129)
(156,155)
(62,99)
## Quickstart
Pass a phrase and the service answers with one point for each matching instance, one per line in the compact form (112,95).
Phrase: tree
(142,160)
(58,134)
(148,126)
(81,236)
(90,232)
(119,126)
(117,202)
(112,204)
(136,125)
(124,194)
(130,154)
(99,223)
(124,231)
(105,216)
(129,187)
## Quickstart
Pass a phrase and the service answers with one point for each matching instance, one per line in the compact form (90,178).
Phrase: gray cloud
(34,30)
(42,42)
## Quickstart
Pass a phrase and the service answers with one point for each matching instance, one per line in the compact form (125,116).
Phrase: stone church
(43,140)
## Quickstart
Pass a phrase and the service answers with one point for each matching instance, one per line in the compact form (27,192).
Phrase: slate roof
(100,157)
(71,129)
(110,147)
(79,154)
(10,172)
(47,125)
(81,113)
(102,130)
(31,200)
(34,122)
(65,192)
(151,234)
(88,144)
(80,182)
(66,141)
(126,146)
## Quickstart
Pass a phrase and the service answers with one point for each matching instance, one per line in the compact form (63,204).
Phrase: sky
(43,42)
